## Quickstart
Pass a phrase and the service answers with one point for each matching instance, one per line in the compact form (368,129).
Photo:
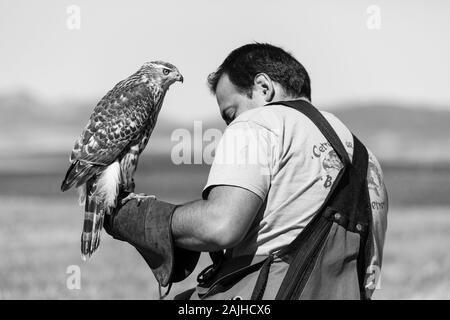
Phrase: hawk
(105,156)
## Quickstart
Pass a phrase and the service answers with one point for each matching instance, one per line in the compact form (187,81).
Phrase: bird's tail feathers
(100,199)
(93,212)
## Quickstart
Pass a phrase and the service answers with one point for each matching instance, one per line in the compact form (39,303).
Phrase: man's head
(256,74)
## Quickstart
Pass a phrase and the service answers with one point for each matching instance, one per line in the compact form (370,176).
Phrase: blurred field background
(40,227)
(389,84)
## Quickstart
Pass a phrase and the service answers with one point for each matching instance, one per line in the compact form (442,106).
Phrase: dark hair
(244,63)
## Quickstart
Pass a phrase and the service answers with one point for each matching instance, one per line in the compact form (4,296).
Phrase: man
(273,170)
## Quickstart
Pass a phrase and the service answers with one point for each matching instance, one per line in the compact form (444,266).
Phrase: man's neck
(282,95)
(285,97)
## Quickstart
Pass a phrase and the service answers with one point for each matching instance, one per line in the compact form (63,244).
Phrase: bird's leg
(138,196)
(129,185)
(128,167)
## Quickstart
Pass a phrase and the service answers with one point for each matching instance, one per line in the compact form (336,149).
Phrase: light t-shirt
(277,153)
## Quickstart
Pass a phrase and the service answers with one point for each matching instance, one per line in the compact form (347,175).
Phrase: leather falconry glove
(146,225)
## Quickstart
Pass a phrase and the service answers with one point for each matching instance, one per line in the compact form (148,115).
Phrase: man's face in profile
(233,102)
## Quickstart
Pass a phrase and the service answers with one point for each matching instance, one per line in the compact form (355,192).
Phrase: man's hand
(220,222)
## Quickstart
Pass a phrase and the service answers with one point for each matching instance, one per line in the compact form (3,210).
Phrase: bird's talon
(138,197)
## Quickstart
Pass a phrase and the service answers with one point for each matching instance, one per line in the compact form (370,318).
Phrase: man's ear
(264,85)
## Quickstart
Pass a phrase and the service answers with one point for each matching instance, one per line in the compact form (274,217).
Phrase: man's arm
(379,205)
(220,222)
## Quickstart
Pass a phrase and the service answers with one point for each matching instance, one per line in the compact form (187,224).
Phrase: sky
(406,60)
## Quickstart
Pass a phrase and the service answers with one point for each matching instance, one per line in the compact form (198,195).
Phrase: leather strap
(321,123)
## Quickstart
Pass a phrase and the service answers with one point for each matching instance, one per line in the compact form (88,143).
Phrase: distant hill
(394,132)
(400,133)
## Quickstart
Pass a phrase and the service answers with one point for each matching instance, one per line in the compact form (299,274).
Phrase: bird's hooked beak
(180,78)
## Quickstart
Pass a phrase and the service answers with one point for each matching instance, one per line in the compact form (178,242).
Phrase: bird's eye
(166,72)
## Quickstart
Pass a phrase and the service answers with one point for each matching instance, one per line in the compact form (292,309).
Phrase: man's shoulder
(273,118)
(275,114)
(259,118)
(287,122)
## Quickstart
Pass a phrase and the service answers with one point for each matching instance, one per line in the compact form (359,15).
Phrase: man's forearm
(218,223)
(192,228)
